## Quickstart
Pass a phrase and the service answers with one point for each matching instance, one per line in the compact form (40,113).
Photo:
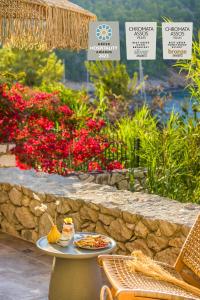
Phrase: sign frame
(141,39)
(104,41)
(177,40)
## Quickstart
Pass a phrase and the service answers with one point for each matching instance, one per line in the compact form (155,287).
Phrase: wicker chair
(127,285)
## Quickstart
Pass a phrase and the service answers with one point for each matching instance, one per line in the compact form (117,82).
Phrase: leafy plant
(34,67)
(114,89)
(112,78)
(128,130)
(9,78)
(171,155)
(192,69)
(77,100)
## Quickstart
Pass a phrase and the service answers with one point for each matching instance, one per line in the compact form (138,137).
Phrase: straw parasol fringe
(44,24)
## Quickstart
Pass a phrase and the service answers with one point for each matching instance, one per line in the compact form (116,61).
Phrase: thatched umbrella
(44,24)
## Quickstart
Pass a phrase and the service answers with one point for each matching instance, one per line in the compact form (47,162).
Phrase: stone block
(86,178)
(150,223)
(26,201)
(3,197)
(29,235)
(168,229)
(177,242)
(87,213)
(130,226)
(8,228)
(139,173)
(103,178)
(3,148)
(106,219)
(85,224)
(75,204)
(25,217)
(168,255)
(141,230)
(119,231)
(63,207)
(117,177)
(129,217)
(139,244)
(100,228)
(115,212)
(27,192)
(123,185)
(8,211)
(5,187)
(185,230)
(156,243)
(51,209)
(44,225)
(33,208)
(138,187)
(93,206)
(90,228)
(15,196)
(7,160)
(51,198)
(59,221)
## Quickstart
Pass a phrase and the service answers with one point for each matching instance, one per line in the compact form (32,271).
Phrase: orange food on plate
(93,242)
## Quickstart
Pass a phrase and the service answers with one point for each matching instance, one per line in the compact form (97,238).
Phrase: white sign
(104,41)
(177,40)
(141,40)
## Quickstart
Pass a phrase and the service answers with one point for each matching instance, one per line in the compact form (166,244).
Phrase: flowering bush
(47,133)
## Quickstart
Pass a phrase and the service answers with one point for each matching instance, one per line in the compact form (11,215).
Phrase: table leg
(75,279)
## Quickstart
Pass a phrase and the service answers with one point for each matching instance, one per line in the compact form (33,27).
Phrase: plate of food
(93,242)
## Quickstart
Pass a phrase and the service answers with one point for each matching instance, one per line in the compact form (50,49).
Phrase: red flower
(45,123)
(113,149)
(114,165)
(65,110)
(95,125)
(94,166)
(46,138)
(22,166)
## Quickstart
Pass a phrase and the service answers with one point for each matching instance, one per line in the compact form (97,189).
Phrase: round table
(75,273)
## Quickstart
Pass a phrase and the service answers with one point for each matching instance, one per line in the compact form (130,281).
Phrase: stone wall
(7,159)
(121,179)
(156,225)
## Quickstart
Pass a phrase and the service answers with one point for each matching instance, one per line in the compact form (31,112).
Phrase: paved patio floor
(24,270)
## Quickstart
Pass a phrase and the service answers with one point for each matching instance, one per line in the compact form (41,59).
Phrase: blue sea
(176,100)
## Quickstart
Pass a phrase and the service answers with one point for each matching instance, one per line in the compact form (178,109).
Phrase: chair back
(190,254)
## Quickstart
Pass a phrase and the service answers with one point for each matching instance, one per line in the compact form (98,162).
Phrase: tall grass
(171,155)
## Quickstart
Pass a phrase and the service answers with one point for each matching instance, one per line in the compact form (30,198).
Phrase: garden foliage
(113,78)
(31,67)
(47,132)
(59,130)
(192,70)
(114,88)
(171,154)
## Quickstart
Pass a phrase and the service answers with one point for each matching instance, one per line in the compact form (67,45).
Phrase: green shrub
(35,66)
(171,155)
(112,77)
(192,70)
(78,101)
